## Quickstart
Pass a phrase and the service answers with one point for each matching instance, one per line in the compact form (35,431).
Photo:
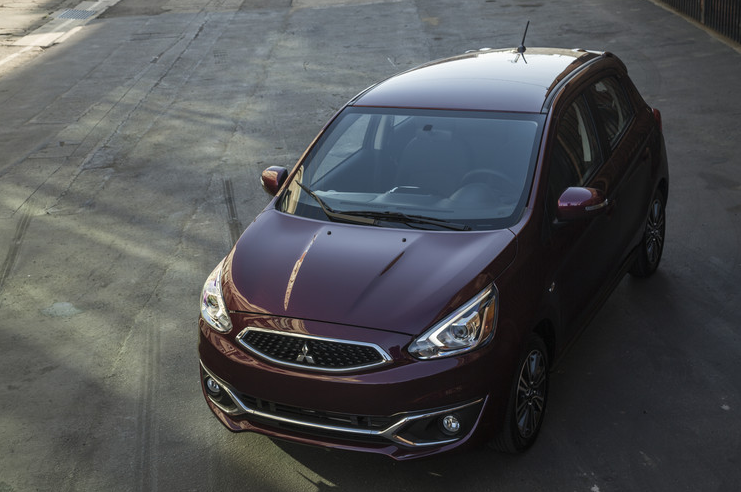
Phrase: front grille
(319,417)
(314,353)
(317,423)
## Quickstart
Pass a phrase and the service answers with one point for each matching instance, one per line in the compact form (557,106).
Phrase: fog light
(451,425)
(212,386)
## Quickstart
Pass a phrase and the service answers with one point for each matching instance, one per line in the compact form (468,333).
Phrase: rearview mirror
(273,178)
(577,203)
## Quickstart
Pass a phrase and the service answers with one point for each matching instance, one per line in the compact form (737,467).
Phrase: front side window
(613,108)
(471,169)
(576,154)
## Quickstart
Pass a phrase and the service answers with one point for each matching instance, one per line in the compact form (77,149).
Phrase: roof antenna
(521,49)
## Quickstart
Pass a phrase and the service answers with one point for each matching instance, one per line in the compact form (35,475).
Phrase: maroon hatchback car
(432,253)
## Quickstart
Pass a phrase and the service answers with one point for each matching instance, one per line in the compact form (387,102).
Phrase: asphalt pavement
(131,142)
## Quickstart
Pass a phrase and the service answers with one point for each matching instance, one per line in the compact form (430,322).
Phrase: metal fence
(723,16)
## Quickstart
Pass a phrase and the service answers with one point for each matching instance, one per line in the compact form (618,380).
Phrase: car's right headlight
(213,307)
(468,327)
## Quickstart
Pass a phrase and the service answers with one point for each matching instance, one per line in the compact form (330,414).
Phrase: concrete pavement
(130,152)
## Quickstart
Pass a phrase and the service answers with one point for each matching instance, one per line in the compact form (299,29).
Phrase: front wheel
(527,402)
(652,245)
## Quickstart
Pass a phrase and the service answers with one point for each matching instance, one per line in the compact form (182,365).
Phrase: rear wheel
(652,245)
(527,402)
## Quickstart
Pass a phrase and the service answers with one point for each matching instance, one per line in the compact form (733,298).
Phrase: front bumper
(397,409)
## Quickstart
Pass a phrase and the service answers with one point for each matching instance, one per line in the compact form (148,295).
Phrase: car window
(613,108)
(468,167)
(347,143)
(576,154)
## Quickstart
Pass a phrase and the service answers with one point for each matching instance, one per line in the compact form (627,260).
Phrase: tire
(527,401)
(652,244)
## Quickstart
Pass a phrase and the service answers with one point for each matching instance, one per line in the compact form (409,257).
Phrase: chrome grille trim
(391,432)
(384,357)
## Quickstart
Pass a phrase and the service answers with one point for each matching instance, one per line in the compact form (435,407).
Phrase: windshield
(419,168)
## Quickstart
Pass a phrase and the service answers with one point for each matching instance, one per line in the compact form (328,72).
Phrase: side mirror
(273,178)
(578,203)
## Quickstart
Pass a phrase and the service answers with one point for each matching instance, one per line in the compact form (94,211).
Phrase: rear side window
(614,110)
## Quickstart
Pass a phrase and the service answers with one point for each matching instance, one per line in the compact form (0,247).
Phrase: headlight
(213,307)
(468,327)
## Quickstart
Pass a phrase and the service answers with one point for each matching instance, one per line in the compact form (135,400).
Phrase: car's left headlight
(468,327)
(213,307)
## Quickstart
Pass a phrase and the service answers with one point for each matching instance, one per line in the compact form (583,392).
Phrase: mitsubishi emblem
(304,355)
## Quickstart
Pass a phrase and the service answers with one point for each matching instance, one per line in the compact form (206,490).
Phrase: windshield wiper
(408,219)
(333,215)
(371,217)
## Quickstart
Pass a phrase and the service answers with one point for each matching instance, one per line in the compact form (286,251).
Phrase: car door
(583,251)
(626,134)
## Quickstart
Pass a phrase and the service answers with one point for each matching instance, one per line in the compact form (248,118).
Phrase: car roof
(489,80)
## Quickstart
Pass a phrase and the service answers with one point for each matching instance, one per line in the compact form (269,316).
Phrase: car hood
(399,280)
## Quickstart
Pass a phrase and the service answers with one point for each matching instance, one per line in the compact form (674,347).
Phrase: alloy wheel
(531,393)
(655,226)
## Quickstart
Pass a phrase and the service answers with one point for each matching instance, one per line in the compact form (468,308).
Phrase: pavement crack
(26,212)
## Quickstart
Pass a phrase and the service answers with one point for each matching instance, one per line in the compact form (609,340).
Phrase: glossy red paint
(578,203)
(312,269)
(273,178)
(488,80)
(394,451)
(552,269)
